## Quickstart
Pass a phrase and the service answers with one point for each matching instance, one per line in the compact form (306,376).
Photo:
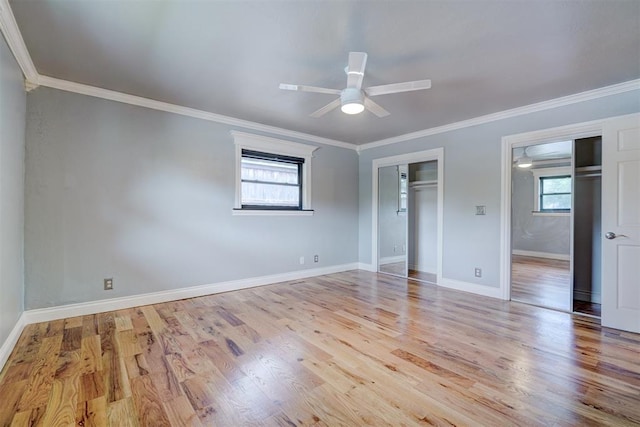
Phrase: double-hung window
(271,181)
(552,191)
(273,176)
(555,193)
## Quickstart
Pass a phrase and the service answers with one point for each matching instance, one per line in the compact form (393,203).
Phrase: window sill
(538,213)
(271,212)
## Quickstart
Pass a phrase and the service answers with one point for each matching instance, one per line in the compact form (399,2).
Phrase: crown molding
(125,98)
(12,35)
(11,32)
(527,109)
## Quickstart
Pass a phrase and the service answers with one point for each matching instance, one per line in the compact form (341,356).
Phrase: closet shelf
(431,183)
(585,169)
(588,171)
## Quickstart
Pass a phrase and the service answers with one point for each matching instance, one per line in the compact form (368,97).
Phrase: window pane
(556,185)
(270,194)
(269,170)
(558,201)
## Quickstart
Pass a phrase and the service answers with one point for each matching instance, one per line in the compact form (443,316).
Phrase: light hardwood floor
(547,283)
(347,349)
(540,281)
(400,269)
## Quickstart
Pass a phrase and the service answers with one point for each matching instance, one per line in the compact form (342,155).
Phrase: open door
(621,223)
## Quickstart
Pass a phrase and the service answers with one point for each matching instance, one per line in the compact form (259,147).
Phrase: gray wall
(145,197)
(536,233)
(12,125)
(472,168)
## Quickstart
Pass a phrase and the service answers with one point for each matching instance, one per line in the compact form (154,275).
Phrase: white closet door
(621,224)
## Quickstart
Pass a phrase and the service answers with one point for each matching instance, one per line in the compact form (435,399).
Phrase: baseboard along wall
(546,255)
(92,307)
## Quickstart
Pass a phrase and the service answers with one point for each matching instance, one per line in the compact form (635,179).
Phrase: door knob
(611,235)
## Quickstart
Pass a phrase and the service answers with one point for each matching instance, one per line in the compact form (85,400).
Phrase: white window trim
(545,172)
(265,144)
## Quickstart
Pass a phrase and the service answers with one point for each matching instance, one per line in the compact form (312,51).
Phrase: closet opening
(407,215)
(555,225)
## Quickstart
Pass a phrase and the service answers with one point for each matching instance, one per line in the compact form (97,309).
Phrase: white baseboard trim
(424,268)
(474,288)
(12,340)
(93,307)
(392,259)
(547,255)
(367,267)
(587,296)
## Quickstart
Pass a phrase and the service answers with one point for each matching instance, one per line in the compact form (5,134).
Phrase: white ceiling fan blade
(375,108)
(303,88)
(324,110)
(355,69)
(398,87)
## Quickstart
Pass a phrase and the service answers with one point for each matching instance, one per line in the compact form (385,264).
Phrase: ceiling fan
(354,99)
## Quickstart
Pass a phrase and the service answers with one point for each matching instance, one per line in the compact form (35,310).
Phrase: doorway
(541,182)
(620,222)
(407,215)
(555,225)
(422,213)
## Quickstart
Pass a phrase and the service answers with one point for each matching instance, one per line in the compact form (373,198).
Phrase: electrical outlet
(478,272)
(315,258)
(301,260)
(108,284)
(481,210)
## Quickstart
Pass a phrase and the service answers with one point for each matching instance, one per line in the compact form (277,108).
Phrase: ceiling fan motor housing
(352,100)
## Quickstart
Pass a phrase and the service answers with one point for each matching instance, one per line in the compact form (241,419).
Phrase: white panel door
(621,224)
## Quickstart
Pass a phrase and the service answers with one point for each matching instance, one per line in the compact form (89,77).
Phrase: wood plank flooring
(547,283)
(400,269)
(540,281)
(347,349)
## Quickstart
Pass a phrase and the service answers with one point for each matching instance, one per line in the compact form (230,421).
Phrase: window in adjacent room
(552,190)
(273,177)
(555,193)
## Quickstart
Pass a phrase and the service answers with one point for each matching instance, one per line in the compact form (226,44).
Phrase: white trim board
(11,341)
(392,259)
(474,288)
(10,30)
(139,101)
(12,35)
(431,269)
(514,112)
(573,131)
(417,157)
(367,267)
(545,255)
(93,307)
(100,306)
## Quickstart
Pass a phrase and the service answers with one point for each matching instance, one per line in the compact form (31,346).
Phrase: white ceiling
(228,57)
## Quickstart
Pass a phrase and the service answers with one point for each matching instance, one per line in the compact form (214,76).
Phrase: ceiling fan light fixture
(524,162)
(352,100)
